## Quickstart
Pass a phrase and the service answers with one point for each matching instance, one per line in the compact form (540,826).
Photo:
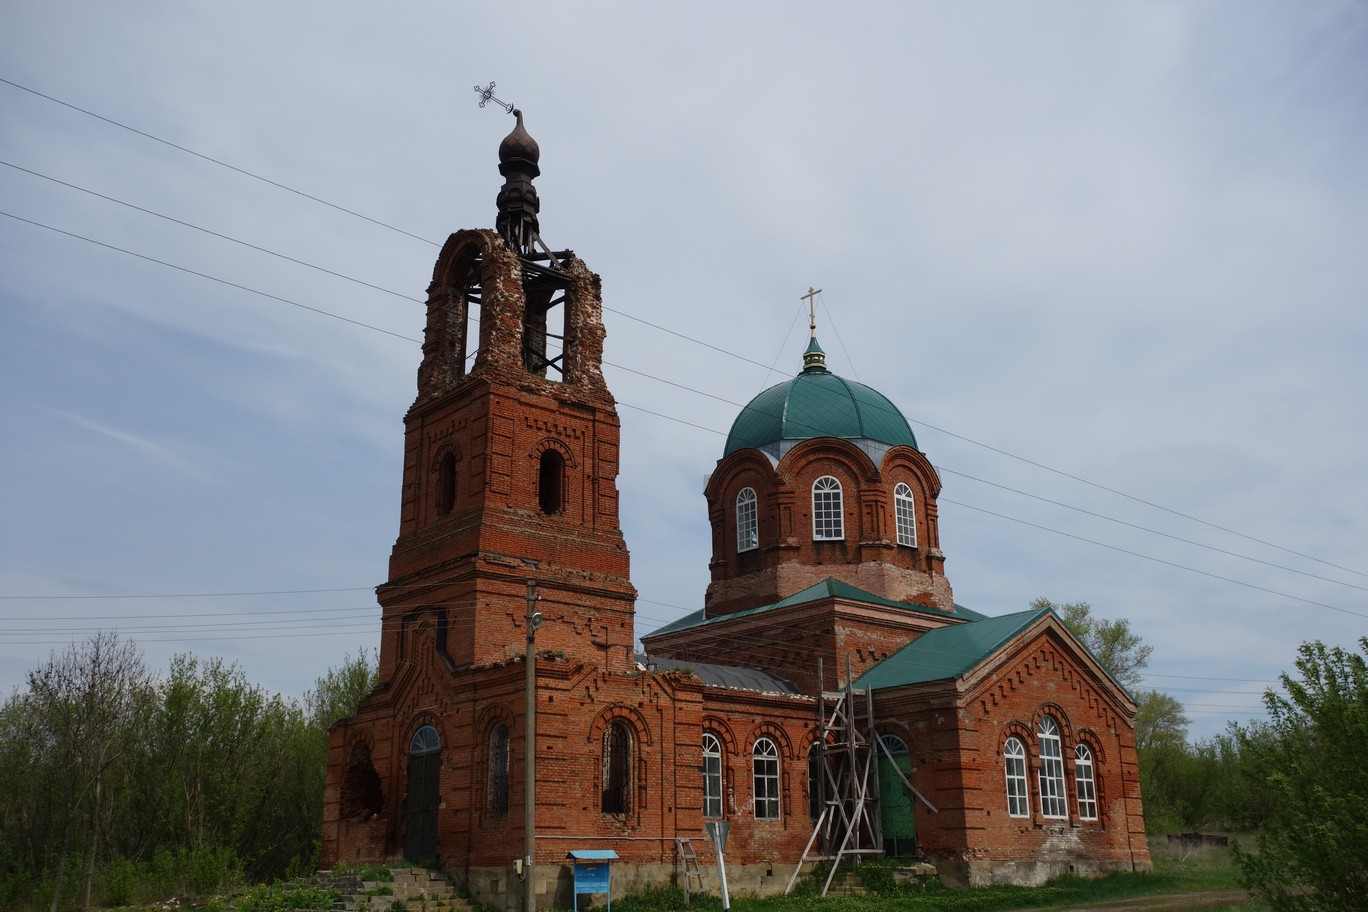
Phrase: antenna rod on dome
(811,296)
(487,95)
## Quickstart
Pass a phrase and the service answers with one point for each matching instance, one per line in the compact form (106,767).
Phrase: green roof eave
(948,652)
(827,588)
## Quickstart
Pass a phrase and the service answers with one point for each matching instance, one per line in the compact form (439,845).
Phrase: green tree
(183,784)
(1120,649)
(1307,761)
(88,701)
(1164,760)
(337,694)
(1159,721)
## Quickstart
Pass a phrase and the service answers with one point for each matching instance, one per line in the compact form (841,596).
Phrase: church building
(829,699)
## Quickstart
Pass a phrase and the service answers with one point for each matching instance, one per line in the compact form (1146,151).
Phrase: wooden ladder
(688,864)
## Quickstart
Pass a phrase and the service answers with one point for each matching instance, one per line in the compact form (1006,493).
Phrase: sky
(1111,261)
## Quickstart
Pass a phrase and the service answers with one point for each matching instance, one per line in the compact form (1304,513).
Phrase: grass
(1176,872)
(1195,871)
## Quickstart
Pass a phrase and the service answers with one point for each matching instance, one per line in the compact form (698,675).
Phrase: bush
(278,897)
(119,880)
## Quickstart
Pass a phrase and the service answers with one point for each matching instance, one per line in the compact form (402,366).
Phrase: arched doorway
(420,820)
(895,801)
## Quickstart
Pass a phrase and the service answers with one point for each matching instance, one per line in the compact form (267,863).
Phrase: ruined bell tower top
(518,203)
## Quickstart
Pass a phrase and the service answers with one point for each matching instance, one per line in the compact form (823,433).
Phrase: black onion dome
(519,151)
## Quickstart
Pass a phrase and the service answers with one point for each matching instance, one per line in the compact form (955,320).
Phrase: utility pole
(534,620)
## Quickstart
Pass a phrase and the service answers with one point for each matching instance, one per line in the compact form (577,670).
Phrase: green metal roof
(817,403)
(827,588)
(948,652)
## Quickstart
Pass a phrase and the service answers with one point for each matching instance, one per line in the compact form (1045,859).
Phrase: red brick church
(829,698)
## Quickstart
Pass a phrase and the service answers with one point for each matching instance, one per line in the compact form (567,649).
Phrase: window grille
(617,769)
(498,770)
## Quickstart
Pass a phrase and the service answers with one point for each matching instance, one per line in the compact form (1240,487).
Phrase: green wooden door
(895,801)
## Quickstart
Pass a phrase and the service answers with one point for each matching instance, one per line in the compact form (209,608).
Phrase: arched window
(816,781)
(747,525)
(425,741)
(498,770)
(446,484)
(617,769)
(765,772)
(361,795)
(712,776)
(1051,770)
(1083,779)
(905,514)
(827,516)
(896,746)
(1014,758)
(550,477)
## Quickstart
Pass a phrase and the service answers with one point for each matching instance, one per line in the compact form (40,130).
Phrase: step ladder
(688,866)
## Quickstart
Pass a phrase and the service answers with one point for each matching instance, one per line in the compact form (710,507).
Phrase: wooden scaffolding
(847,750)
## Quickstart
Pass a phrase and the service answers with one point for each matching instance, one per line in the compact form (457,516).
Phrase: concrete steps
(408,890)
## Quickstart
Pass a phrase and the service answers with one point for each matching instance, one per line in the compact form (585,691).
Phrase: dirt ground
(1205,899)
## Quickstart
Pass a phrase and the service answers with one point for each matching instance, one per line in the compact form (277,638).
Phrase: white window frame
(765,779)
(747,521)
(828,509)
(1085,782)
(905,515)
(1014,763)
(712,776)
(1053,803)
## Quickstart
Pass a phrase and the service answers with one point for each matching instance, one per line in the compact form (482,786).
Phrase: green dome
(817,403)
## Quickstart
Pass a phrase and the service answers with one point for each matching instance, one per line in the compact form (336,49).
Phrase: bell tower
(510,455)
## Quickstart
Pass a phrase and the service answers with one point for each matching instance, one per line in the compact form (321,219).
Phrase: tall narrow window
(904,511)
(617,769)
(747,525)
(446,484)
(816,781)
(498,770)
(1083,779)
(1051,770)
(712,776)
(765,772)
(1014,758)
(550,475)
(827,517)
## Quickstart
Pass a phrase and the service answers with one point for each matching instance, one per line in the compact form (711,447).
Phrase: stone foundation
(500,888)
(982,873)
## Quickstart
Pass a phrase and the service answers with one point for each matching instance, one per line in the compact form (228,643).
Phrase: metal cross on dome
(810,297)
(487,95)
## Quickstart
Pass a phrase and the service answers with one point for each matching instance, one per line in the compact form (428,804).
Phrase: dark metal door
(420,823)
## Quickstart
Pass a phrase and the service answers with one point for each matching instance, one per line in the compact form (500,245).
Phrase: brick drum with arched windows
(997,747)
